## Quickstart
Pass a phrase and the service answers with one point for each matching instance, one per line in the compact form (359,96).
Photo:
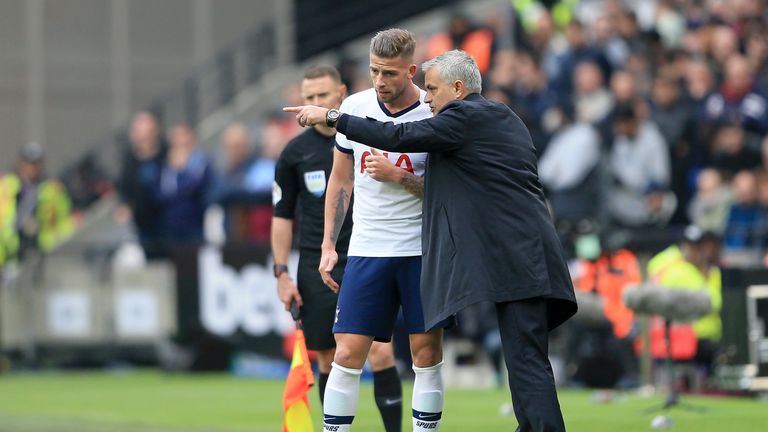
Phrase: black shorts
(319,308)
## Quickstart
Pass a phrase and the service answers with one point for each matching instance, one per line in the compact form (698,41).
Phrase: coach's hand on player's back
(382,169)
(287,291)
(328,261)
(308,115)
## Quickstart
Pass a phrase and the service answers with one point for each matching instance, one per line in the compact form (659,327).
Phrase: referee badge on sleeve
(315,181)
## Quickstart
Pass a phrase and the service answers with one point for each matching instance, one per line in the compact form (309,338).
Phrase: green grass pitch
(156,402)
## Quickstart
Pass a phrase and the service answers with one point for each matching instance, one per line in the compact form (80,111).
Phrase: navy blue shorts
(372,292)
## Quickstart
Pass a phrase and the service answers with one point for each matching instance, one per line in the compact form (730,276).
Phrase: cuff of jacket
(341,126)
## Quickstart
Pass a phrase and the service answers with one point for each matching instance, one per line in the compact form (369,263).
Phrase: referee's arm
(284,198)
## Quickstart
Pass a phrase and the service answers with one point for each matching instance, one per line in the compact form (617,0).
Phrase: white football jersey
(387,219)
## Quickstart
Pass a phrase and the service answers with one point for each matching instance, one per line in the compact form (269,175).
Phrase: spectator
(183,191)
(744,214)
(698,81)
(711,204)
(670,24)
(757,53)
(674,119)
(503,71)
(530,97)
(737,99)
(638,165)
(731,150)
(235,189)
(569,170)
(623,87)
(140,178)
(629,30)
(608,42)
(260,178)
(578,52)
(35,212)
(592,101)
(724,43)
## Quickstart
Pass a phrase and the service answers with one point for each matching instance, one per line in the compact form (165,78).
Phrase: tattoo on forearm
(351,172)
(342,203)
(413,184)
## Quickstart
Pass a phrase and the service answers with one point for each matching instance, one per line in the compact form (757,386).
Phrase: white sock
(341,395)
(427,398)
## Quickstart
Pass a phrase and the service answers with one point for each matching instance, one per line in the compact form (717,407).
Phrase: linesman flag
(296,415)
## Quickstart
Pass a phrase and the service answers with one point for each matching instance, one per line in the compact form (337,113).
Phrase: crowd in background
(168,184)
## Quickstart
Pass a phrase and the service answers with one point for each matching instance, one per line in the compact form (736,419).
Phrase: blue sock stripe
(427,416)
(337,420)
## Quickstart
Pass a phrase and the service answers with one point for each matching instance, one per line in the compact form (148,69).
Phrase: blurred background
(650,119)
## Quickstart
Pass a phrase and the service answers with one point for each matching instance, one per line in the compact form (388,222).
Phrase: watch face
(333,114)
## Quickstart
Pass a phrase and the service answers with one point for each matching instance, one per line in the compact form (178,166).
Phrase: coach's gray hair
(457,65)
(393,43)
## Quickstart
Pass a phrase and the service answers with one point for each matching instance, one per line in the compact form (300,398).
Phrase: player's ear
(412,70)
(342,91)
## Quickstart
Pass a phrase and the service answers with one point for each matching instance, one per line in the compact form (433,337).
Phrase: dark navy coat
(487,234)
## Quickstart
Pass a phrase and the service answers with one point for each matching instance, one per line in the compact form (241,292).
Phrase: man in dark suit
(487,234)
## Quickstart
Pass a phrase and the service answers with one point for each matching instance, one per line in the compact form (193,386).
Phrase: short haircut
(393,43)
(457,65)
(322,70)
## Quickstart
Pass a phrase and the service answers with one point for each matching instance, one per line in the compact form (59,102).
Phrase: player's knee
(381,356)
(427,355)
(349,358)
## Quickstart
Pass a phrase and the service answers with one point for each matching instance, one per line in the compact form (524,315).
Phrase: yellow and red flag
(296,415)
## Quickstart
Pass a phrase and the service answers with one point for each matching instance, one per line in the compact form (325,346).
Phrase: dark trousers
(523,326)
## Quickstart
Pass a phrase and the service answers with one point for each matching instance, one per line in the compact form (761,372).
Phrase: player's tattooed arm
(341,205)
(413,184)
(338,195)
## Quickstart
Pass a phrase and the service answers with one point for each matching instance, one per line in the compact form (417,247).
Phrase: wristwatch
(279,269)
(332,117)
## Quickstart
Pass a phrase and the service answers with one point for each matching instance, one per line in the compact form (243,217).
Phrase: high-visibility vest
(10,186)
(608,276)
(684,275)
(478,44)
(53,214)
(530,10)
(670,269)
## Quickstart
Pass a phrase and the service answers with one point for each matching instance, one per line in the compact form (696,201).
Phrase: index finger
(294,109)
(375,152)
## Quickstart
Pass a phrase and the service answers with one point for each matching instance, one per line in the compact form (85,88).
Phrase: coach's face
(323,91)
(439,92)
(391,77)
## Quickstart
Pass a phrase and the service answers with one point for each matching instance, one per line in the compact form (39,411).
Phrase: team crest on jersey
(315,181)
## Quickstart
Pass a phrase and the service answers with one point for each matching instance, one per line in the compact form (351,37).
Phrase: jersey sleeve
(343,144)
(285,189)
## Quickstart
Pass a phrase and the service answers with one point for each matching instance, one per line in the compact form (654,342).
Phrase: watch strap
(279,269)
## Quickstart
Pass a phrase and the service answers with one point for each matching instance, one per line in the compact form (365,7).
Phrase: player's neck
(325,130)
(409,97)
